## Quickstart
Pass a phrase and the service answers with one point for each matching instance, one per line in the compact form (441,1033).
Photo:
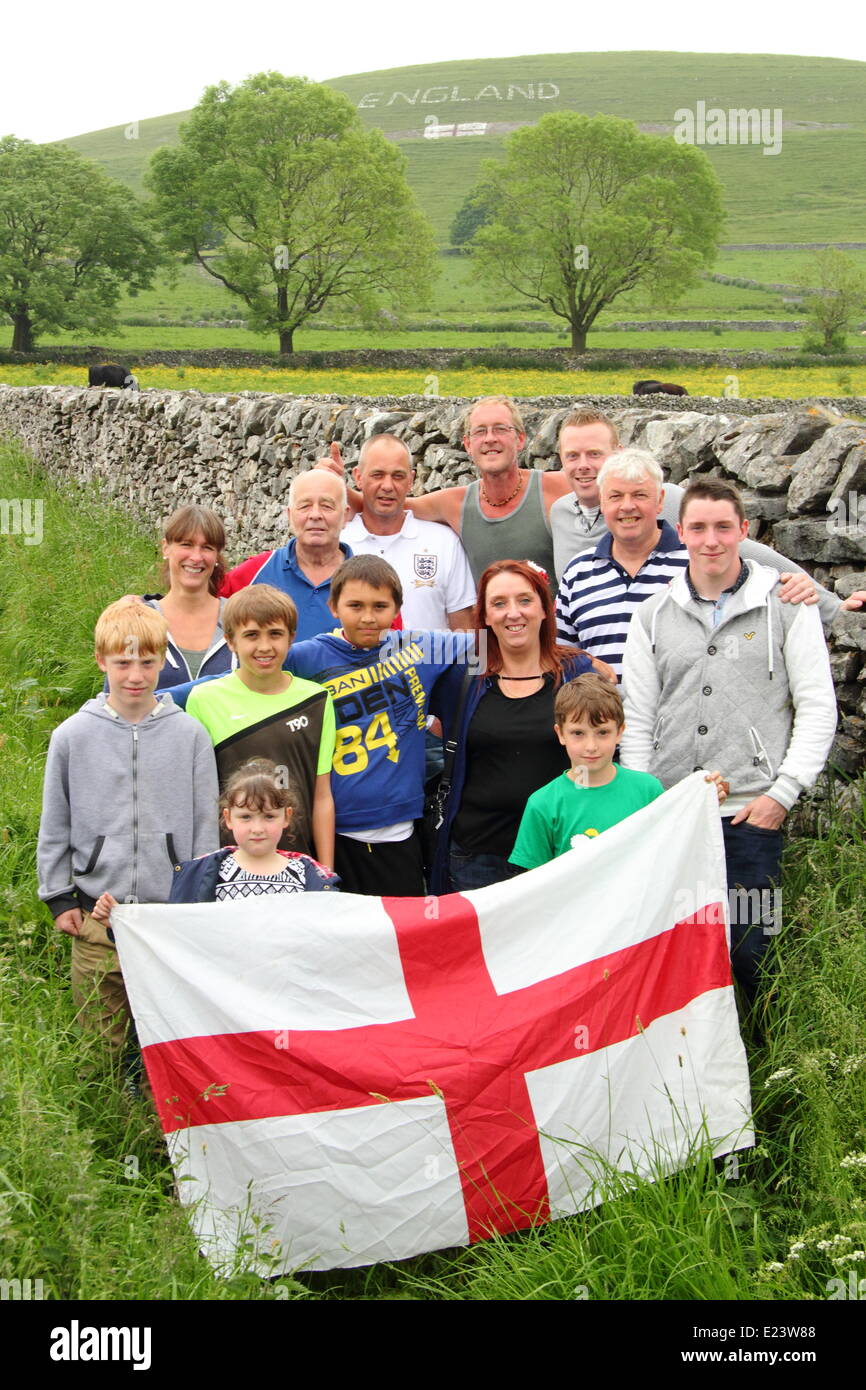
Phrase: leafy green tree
(585,208)
(474,212)
(835,294)
(70,239)
(313,207)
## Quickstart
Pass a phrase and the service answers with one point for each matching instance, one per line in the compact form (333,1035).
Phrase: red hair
(552,654)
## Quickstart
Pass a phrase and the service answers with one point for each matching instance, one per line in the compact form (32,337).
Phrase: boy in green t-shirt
(262,711)
(596,792)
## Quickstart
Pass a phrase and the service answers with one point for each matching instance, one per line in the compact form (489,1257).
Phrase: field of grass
(129,340)
(774,266)
(773,382)
(168,315)
(88,1203)
(194,295)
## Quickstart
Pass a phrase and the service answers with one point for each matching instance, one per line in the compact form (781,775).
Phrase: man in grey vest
(505,515)
(719,673)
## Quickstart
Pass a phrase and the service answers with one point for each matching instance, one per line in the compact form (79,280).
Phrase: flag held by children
(343,1080)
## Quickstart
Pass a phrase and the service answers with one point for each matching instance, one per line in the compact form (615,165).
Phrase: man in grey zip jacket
(718,673)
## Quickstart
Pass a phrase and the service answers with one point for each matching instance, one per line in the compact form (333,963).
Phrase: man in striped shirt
(601,588)
(640,554)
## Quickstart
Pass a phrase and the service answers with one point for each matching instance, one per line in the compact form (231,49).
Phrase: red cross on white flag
(343,1080)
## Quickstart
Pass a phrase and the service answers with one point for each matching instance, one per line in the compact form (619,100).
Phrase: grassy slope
(813,190)
(90,1208)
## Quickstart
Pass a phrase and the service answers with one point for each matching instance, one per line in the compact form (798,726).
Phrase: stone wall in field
(802,471)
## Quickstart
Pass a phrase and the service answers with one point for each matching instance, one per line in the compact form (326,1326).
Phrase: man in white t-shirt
(438,591)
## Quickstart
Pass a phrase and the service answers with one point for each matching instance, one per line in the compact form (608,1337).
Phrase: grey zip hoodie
(752,696)
(123,803)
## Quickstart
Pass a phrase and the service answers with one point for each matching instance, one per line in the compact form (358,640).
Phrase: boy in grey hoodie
(130,790)
(719,673)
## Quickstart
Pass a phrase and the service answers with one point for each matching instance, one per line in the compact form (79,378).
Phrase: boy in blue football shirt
(380,682)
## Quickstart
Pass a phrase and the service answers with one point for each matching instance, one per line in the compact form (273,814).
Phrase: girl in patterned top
(256,809)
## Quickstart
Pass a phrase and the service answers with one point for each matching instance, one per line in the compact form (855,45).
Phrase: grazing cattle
(663,388)
(111,374)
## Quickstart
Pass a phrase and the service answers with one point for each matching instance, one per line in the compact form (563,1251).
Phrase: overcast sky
(73,67)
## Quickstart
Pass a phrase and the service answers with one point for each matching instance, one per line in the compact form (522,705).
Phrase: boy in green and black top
(262,711)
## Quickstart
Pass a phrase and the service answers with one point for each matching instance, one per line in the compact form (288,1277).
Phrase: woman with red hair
(506,744)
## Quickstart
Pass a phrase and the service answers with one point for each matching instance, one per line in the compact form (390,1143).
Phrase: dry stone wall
(802,470)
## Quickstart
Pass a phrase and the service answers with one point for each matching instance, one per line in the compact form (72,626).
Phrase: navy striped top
(597,596)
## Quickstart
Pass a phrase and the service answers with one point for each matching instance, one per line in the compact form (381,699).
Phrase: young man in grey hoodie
(130,790)
(719,673)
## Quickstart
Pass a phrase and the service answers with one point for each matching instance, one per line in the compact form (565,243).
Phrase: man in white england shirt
(438,591)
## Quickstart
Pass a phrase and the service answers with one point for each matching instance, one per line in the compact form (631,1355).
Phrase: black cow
(111,374)
(661,388)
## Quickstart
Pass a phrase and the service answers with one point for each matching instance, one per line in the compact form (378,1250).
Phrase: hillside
(814,189)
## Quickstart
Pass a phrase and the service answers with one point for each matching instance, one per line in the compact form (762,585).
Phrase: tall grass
(87,1200)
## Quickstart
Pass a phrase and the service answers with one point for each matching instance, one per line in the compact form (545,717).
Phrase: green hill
(814,189)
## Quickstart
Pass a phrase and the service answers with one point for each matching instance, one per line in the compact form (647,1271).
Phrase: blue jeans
(754,861)
(477,870)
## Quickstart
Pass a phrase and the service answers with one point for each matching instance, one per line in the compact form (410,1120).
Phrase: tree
(70,239)
(587,208)
(313,207)
(474,212)
(835,293)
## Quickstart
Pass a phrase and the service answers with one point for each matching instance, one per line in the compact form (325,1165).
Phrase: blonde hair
(516,417)
(129,628)
(588,415)
(261,604)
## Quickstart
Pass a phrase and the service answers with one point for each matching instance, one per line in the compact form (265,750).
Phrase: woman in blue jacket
(192,548)
(506,744)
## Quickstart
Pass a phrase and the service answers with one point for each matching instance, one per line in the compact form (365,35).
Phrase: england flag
(343,1080)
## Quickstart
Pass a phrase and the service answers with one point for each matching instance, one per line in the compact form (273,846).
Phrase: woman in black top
(507,747)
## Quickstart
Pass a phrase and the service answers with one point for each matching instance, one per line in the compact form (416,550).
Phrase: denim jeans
(478,870)
(754,861)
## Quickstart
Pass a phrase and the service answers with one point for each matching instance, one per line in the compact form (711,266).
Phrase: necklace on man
(508,499)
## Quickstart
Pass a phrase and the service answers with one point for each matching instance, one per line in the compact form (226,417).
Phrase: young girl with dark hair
(256,809)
